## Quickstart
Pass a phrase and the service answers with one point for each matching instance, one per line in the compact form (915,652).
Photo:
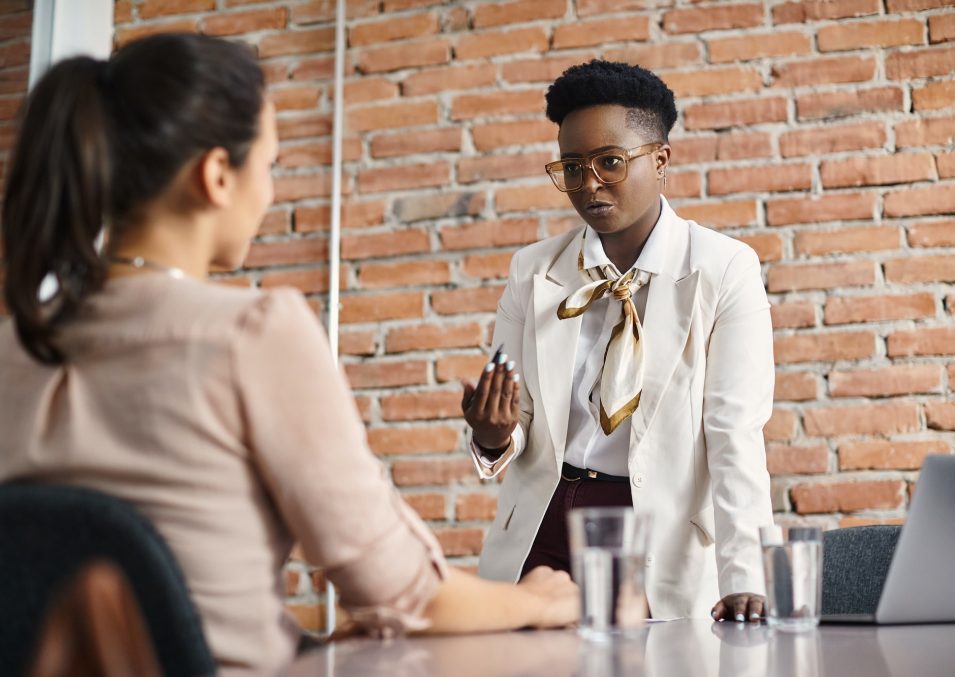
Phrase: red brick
(814,10)
(683,184)
(814,72)
(828,347)
(292,581)
(768,247)
(428,141)
(796,277)
(404,274)
(447,78)
(458,542)
(817,209)
(432,472)
(848,496)
(295,98)
(428,52)
(832,139)
(392,115)
(785,459)
(411,406)
(379,307)
(933,234)
(921,269)
(310,281)
(276,222)
(354,215)
(467,300)
(713,81)
(938,199)
(467,106)
(234,23)
(502,233)
(287,252)
(501,134)
(404,177)
(458,367)
(446,204)
(19,53)
(416,440)
(393,28)
(308,616)
(793,314)
(925,131)
(323,11)
(297,42)
(941,27)
(497,167)
(319,68)
(920,63)
(591,7)
(901,379)
(150,9)
(122,13)
(848,103)
(434,337)
(300,186)
(658,56)
(858,34)
(385,244)
(795,386)
(364,405)
(929,341)
(601,31)
(940,415)
(946,165)
(846,309)
(428,506)
(302,126)
(697,20)
(751,46)
(544,69)
(736,113)
(721,214)
(863,419)
(877,171)
(779,177)
(888,454)
(843,240)
(781,425)
(530,198)
(368,89)
(486,44)
(487,266)
(468,507)
(517,11)
(356,342)
(378,374)
(934,96)
(317,153)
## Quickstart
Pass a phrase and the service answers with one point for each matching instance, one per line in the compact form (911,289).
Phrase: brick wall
(818,132)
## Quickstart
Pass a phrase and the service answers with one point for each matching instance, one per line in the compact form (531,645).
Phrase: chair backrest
(48,532)
(855,564)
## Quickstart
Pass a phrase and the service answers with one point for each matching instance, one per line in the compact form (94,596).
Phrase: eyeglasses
(609,166)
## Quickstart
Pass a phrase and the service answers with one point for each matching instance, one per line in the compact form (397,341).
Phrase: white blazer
(697,460)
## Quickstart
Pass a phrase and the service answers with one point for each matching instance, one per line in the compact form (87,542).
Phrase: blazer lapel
(556,341)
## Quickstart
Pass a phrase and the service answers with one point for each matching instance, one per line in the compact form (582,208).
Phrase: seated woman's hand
(741,606)
(492,407)
(559,595)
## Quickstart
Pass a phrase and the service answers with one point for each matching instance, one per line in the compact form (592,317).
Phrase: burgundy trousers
(551,546)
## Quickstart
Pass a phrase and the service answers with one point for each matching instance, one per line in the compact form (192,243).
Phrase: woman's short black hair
(610,82)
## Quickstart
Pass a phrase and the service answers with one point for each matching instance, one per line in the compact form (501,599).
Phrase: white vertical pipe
(334,243)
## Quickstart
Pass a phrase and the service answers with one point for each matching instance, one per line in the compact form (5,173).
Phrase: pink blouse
(220,413)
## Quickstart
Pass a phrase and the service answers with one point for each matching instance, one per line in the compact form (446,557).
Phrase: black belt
(572,474)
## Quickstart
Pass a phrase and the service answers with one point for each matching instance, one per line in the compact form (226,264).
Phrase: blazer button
(638,480)
(648,560)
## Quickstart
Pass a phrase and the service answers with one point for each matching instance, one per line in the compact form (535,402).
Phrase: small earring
(663,175)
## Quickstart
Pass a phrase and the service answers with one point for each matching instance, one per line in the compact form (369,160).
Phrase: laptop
(920,585)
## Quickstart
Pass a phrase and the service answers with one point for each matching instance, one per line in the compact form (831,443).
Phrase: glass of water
(792,567)
(607,549)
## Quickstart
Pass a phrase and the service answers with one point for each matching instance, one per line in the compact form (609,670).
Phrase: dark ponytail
(97,141)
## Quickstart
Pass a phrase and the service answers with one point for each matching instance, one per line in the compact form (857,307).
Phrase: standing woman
(644,345)
(217,411)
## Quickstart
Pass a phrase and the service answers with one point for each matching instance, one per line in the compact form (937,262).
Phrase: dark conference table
(670,649)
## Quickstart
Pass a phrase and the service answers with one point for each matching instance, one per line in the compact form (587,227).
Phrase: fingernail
(740,617)
(516,377)
(489,366)
(712,614)
(754,617)
(510,365)
(502,358)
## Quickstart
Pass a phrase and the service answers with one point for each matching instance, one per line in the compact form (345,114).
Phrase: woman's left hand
(740,606)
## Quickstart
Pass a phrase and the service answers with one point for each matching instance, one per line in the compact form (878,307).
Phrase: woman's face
(252,197)
(615,207)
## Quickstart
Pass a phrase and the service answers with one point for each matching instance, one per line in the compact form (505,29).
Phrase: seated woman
(217,411)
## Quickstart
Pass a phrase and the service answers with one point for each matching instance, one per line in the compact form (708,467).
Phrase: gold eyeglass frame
(587,161)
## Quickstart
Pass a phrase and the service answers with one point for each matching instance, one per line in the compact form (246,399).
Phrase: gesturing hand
(739,607)
(492,408)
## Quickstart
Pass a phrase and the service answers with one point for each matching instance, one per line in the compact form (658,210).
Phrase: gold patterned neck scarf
(622,377)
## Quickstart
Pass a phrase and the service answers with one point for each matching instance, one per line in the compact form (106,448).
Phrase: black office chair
(855,563)
(48,532)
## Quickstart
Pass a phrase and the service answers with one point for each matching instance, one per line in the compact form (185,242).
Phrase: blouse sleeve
(308,444)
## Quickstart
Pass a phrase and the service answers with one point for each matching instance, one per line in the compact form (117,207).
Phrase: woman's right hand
(492,408)
(559,595)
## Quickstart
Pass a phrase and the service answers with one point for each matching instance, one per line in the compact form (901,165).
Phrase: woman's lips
(599,208)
